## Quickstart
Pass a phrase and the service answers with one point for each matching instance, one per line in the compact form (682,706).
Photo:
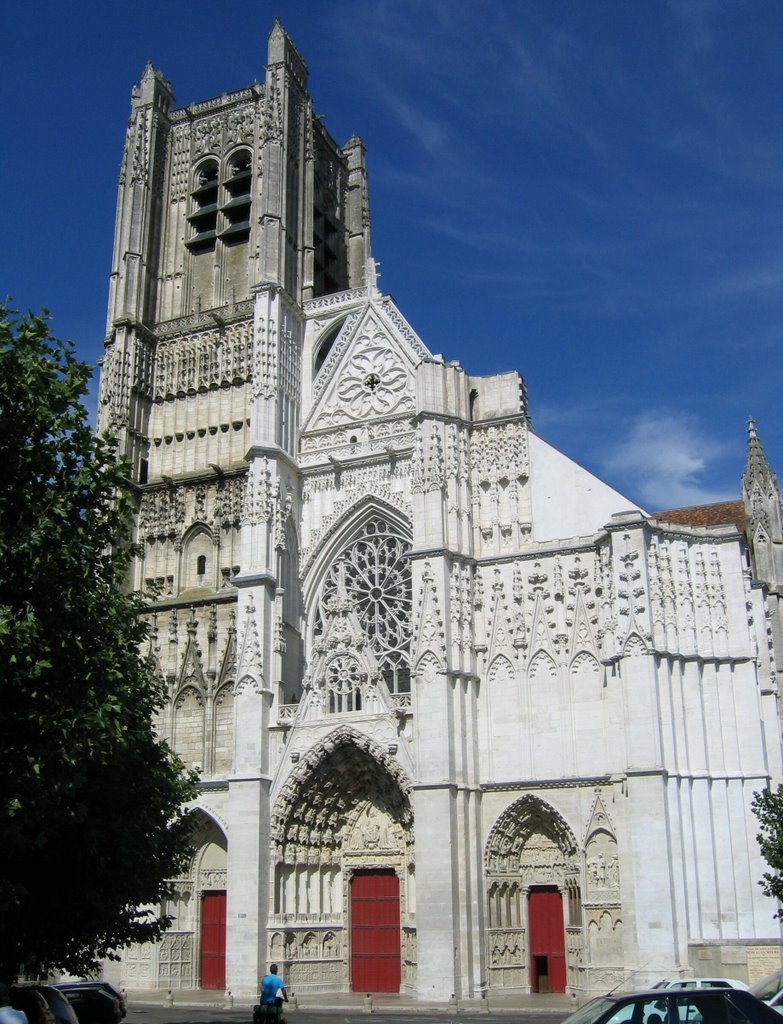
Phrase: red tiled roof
(720,513)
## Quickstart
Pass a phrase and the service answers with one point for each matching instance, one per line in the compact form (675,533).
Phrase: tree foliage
(90,802)
(768,808)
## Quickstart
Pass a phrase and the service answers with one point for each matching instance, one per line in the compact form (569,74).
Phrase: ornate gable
(429,633)
(191,671)
(346,676)
(249,662)
(501,631)
(370,373)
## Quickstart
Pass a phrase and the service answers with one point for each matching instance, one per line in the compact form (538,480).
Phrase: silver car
(770,990)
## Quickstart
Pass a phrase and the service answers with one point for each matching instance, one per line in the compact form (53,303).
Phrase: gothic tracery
(376,577)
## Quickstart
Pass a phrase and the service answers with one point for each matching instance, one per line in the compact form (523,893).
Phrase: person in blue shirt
(272,989)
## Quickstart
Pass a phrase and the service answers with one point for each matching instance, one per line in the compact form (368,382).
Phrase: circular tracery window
(377,576)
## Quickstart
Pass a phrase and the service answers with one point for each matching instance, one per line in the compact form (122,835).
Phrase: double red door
(213,940)
(547,940)
(375,932)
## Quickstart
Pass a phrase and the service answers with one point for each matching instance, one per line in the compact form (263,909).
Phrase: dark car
(61,1009)
(118,994)
(676,1006)
(28,999)
(92,1004)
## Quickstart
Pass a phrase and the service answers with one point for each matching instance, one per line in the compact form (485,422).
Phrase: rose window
(372,384)
(343,684)
(377,579)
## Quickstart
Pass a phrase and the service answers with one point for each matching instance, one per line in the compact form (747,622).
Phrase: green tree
(91,819)
(768,808)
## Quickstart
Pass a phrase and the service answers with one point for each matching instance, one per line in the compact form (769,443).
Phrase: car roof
(674,993)
(743,999)
(696,982)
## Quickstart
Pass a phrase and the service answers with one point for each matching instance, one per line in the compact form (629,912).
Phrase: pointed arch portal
(343,831)
(532,862)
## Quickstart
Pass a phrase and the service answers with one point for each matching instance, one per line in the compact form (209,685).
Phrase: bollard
(368,1003)
(169,1000)
(228,1000)
(293,1002)
(485,1001)
(453,1004)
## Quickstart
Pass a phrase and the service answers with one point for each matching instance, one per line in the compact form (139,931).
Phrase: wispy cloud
(432,135)
(765,280)
(666,456)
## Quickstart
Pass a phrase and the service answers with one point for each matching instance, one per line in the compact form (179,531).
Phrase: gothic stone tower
(465,717)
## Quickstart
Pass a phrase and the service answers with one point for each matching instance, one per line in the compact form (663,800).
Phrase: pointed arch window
(377,579)
(325,346)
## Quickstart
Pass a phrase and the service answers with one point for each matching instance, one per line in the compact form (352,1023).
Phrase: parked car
(92,1004)
(61,1009)
(770,990)
(676,1006)
(28,999)
(701,983)
(118,994)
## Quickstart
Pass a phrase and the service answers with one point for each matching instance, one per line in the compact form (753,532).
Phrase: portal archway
(343,833)
(533,870)
(176,962)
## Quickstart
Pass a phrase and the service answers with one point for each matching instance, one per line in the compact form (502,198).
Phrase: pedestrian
(8,1015)
(273,991)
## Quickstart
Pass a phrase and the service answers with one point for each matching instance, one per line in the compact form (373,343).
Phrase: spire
(763,515)
(757,469)
(281,50)
(154,88)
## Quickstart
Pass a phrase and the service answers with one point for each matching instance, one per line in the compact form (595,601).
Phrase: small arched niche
(197,568)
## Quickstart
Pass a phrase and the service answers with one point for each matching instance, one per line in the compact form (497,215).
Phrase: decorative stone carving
(207,135)
(212,878)
(209,358)
(175,964)
(372,384)
(312,811)
(344,510)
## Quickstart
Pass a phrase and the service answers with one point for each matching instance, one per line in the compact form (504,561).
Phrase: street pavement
(199,1006)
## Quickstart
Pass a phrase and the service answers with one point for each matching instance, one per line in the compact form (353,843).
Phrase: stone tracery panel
(189,727)
(223,726)
(375,572)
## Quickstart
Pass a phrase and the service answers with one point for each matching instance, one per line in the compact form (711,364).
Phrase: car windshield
(590,1011)
(768,987)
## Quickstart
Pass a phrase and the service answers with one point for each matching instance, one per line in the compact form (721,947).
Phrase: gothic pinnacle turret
(764,519)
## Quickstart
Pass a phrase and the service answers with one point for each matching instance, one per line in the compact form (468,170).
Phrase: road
(213,1015)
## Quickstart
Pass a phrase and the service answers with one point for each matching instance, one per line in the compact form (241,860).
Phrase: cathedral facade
(466,719)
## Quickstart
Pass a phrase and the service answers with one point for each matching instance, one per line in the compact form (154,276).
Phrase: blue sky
(589,192)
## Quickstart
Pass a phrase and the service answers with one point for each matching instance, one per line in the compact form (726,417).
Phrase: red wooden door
(375,932)
(547,940)
(213,940)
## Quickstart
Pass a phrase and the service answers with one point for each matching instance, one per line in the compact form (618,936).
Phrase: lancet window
(377,579)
